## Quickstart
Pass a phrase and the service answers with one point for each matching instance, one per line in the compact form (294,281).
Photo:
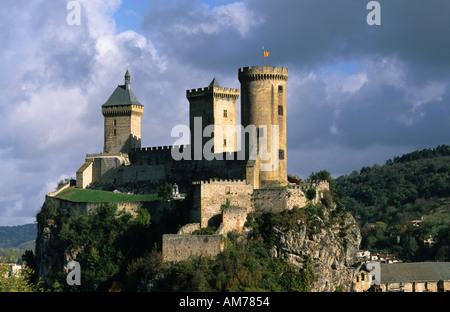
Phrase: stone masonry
(246,177)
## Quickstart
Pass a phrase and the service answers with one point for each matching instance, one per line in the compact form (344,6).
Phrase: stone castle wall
(147,168)
(209,196)
(233,218)
(182,247)
(157,209)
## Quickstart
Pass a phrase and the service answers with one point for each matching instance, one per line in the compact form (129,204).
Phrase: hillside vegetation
(14,240)
(386,199)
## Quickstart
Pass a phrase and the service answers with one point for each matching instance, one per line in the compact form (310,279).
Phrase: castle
(211,167)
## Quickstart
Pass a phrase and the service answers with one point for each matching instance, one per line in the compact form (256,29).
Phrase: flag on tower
(265,54)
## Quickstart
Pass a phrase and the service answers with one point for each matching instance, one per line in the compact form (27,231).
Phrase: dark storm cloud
(399,83)
(304,33)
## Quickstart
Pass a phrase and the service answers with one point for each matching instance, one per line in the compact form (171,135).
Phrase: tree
(104,240)
(324,175)
(19,282)
(226,205)
(311,193)
(164,191)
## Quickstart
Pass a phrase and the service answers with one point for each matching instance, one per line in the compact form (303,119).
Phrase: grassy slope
(88,195)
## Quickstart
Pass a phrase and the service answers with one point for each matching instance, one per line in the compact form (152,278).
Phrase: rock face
(49,254)
(294,179)
(331,242)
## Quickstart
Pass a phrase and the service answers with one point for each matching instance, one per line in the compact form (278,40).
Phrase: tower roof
(214,83)
(122,95)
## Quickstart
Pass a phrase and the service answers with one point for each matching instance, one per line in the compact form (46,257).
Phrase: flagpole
(262,56)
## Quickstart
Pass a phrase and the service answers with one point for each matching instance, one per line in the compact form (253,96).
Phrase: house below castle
(405,277)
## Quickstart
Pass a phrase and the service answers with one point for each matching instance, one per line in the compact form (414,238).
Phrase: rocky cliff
(330,236)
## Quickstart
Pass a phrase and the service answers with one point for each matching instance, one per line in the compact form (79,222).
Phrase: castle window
(225,142)
(280,154)
(115,122)
(280,110)
(280,89)
(115,132)
(225,113)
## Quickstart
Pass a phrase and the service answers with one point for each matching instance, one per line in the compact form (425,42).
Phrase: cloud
(207,21)
(57,78)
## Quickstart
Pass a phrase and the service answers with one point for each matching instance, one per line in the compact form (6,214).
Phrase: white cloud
(58,77)
(204,20)
(419,96)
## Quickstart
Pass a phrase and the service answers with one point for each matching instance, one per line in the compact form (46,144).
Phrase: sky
(357,94)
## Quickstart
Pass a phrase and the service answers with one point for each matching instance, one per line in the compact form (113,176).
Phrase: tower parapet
(264,73)
(213,91)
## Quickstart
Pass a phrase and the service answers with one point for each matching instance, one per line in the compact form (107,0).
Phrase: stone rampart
(64,187)
(210,195)
(216,91)
(183,247)
(158,209)
(90,207)
(233,218)
(152,166)
(264,73)
(279,199)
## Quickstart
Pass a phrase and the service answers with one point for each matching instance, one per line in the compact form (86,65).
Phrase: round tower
(263,104)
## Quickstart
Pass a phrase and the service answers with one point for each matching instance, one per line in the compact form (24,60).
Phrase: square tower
(213,106)
(122,115)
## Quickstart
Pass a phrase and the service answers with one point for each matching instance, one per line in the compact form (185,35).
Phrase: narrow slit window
(280,110)
(280,89)
(225,113)
(281,154)
(115,133)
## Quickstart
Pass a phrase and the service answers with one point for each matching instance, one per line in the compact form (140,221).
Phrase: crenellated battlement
(264,73)
(122,110)
(215,91)
(221,182)
(160,148)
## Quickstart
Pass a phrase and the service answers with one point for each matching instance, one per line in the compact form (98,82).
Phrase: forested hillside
(14,240)
(386,199)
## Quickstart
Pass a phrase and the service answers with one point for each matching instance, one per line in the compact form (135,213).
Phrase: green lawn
(88,195)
